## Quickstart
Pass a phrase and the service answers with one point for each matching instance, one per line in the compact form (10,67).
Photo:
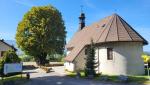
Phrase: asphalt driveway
(58,77)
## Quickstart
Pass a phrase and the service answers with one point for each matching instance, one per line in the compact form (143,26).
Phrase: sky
(135,12)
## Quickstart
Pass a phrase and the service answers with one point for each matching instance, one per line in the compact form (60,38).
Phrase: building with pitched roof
(5,47)
(118,47)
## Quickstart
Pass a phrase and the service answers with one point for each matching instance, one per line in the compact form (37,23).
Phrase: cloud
(24,3)
(89,4)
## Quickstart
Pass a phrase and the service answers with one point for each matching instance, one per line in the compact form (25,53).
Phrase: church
(118,47)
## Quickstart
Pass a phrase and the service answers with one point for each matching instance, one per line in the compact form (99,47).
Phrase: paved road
(57,77)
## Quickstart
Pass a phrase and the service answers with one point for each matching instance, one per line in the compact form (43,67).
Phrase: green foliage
(73,74)
(146,58)
(1,66)
(16,79)
(90,60)
(55,57)
(41,32)
(26,58)
(9,57)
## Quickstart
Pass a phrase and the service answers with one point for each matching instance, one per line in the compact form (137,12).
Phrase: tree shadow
(29,67)
(65,80)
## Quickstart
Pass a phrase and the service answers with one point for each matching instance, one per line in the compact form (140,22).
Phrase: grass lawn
(138,79)
(17,80)
(114,78)
(73,74)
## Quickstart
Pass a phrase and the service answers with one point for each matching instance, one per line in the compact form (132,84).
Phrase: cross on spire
(81,8)
(81,19)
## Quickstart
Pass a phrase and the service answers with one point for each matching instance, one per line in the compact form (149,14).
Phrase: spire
(81,20)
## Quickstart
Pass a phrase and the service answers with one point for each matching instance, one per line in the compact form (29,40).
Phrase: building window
(86,51)
(109,53)
(2,53)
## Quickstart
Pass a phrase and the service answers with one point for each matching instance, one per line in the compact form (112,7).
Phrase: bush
(146,58)
(1,66)
(55,57)
(9,57)
(26,58)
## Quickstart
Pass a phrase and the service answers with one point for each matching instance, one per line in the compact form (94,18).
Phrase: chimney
(81,21)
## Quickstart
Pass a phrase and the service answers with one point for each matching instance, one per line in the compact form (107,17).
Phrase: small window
(2,53)
(109,53)
(86,51)
(103,25)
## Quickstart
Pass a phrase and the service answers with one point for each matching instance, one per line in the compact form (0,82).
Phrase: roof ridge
(110,27)
(144,41)
(104,29)
(117,29)
(124,27)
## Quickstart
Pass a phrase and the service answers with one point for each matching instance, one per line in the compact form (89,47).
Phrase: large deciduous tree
(41,32)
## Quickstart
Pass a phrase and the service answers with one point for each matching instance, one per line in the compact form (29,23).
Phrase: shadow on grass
(13,80)
(115,79)
(66,80)
(137,79)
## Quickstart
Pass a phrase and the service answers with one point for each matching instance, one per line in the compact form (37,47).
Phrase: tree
(40,32)
(146,58)
(10,56)
(26,58)
(90,60)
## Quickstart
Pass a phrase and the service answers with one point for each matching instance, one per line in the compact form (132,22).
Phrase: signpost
(13,67)
(148,71)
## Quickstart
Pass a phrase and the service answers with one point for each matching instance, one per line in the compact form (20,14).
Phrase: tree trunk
(41,59)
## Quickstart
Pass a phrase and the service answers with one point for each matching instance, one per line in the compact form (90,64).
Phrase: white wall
(126,58)
(68,52)
(69,66)
(80,61)
(4,47)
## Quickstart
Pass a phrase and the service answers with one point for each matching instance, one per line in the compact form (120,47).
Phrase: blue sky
(135,12)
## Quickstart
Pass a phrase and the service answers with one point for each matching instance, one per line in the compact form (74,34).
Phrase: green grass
(114,78)
(137,79)
(17,79)
(73,74)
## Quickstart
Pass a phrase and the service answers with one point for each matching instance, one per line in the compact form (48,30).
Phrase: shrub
(1,66)
(55,57)
(146,58)
(26,58)
(9,57)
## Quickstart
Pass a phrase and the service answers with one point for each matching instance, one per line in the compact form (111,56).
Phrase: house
(118,47)
(5,47)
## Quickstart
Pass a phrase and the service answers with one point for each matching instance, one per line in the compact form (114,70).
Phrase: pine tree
(90,60)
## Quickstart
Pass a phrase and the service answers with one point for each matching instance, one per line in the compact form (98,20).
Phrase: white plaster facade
(4,47)
(69,66)
(126,59)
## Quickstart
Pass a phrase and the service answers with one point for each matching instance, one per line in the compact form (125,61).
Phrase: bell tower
(81,20)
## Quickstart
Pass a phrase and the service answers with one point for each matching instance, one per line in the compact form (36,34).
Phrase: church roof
(110,29)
